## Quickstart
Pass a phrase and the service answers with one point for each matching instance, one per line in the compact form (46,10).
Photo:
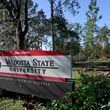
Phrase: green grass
(10,104)
(76,77)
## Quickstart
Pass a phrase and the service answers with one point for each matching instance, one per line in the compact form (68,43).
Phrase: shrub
(93,94)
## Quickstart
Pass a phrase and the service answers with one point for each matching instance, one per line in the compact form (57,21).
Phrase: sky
(104,6)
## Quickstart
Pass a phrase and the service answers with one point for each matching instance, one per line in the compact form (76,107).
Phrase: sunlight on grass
(10,104)
(76,77)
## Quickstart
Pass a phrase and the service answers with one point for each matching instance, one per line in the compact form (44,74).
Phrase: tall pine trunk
(20,32)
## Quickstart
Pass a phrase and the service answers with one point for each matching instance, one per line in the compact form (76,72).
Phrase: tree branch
(31,42)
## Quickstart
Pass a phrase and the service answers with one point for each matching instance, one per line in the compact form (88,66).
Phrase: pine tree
(91,29)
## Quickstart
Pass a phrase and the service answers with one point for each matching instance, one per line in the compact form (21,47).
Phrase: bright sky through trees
(104,6)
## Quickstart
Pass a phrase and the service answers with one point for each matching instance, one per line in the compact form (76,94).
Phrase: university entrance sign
(39,73)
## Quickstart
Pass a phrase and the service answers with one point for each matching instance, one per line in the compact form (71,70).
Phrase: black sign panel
(40,88)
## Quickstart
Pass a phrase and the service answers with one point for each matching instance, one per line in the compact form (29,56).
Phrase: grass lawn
(76,77)
(10,104)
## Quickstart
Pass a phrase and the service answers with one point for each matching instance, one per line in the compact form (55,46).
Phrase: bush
(93,94)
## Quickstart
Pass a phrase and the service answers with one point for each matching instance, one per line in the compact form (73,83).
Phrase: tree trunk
(20,32)
(52,25)
(22,41)
(17,39)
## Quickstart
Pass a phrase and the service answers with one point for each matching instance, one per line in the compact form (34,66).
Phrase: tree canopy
(24,26)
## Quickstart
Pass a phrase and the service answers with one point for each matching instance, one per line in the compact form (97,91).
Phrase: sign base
(43,89)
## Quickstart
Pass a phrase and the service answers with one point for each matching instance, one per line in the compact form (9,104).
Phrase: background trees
(57,9)
(7,31)
(91,29)
(18,11)
(24,26)
(33,28)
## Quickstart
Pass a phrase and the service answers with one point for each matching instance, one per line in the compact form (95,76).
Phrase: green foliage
(62,35)
(7,30)
(39,27)
(40,107)
(103,35)
(106,51)
(65,37)
(91,29)
(65,5)
(93,94)
(97,87)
